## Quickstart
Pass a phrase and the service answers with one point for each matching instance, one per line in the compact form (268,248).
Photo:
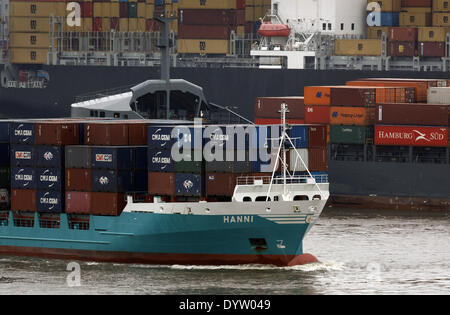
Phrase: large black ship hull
(391,185)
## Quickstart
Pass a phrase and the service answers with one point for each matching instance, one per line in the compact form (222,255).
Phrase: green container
(351,134)
(189,165)
(132,10)
(5,178)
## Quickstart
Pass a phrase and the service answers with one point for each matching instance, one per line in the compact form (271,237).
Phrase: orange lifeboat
(269,29)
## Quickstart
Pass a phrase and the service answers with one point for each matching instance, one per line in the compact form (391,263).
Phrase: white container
(439,95)
(295,163)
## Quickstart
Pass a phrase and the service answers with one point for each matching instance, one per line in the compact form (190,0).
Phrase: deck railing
(265,180)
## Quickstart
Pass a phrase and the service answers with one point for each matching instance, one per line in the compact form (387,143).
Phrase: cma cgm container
(412,114)
(22,133)
(411,136)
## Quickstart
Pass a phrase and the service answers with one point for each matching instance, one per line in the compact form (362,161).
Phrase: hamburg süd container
(317,114)
(411,136)
(318,136)
(318,159)
(106,133)
(220,184)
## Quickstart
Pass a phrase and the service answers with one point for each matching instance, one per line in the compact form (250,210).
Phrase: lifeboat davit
(269,29)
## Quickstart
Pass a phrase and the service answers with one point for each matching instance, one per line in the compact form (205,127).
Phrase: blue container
(160,161)
(50,201)
(23,155)
(228,138)
(50,179)
(112,181)
(22,133)
(113,158)
(388,19)
(160,138)
(49,156)
(140,179)
(5,155)
(189,185)
(321,177)
(299,136)
(188,138)
(140,158)
(23,178)
(5,136)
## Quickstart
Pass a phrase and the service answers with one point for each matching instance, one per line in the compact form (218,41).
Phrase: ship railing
(104,93)
(266,180)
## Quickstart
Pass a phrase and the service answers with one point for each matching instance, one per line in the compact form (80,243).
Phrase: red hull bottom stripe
(158,259)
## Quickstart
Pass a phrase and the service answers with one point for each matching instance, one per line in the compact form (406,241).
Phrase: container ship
(240,51)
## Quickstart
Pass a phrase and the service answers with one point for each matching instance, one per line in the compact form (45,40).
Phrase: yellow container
(357,47)
(97,9)
(375,32)
(28,55)
(29,40)
(432,34)
(132,25)
(123,24)
(37,9)
(87,24)
(419,19)
(388,5)
(106,9)
(207,4)
(141,13)
(115,9)
(149,10)
(141,25)
(441,19)
(240,30)
(441,6)
(106,24)
(250,14)
(203,46)
(29,24)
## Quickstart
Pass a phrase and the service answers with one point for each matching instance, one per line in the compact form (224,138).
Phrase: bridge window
(300,198)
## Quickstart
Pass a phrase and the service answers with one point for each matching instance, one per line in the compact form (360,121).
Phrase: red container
(161,184)
(220,184)
(78,179)
(357,96)
(204,31)
(412,114)
(432,49)
(403,34)
(416,3)
(269,107)
(97,25)
(317,114)
(107,204)
(23,200)
(240,17)
(318,159)
(318,136)
(86,9)
(411,136)
(57,133)
(137,133)
(152,25)
(106,133)
(78,202)
(275,121)
(207,17)
(402,49)
(114,23)
(123,9)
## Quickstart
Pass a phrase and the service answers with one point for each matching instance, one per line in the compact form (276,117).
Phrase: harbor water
(361,252)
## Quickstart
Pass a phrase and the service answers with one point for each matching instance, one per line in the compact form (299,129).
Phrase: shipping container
(5,178)
(411,136)
(5,155)
(441,19)
(317,114)
(318,136)
(78,156)
(299,136)
(78,179)
(49,156)
(78,202)
(23,178)
(50,179)
(412,114)
(161,184)
(107,134)
(351,134)
(234,137)
(107,204)
(160,161)
(207,4)
(207,17)
(439,95)
(23,155)
(220,184)
(137,133)
(228,161)
(357,47)
(37,8)
(432,34)
(112,181)
(22,133)
(340,96)
(5,132)
(204,46)
(23,200)
(376,32)
(389,5)
(50,201)
(204,31)
(402,49)
(403,34)
(113,158)
(190,163)
(57,133)
(298,163)
(269,107)
(358,116)
(419,19)
(140,158)
(189,185)
(318,159)
(160,138)
(29,24)
(432,49)
(140,181)
(29,40)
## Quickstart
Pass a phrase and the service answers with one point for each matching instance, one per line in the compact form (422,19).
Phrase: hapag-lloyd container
(411,136)
(78,179)
(23,155)
(358,116)
(412,114)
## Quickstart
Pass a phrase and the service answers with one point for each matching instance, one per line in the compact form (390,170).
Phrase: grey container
(78,156)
